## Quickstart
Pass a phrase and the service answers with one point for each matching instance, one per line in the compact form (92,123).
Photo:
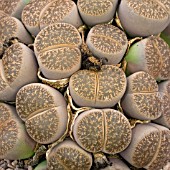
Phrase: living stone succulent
(151,55)
(164,89)
(149,147)
(98,115)
(18,67)
(105,130)
(12,27)
(141,99)
(163,155)
(97,11)
(39,14)
(30,15)
(107,41)
(60,11)
(13,7)
(116,164)
(15,143)
(43,109)
(144,17)
(57,50)
(98,89)
(68,155)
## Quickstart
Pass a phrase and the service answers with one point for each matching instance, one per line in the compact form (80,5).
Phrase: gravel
(14,165)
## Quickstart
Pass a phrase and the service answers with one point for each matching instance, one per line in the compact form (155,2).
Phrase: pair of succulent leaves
(114,80)
(45,115)
(33,92)
(105,42)
(51,57)
(18,64)
(97,50)
(137,17)
(96,90)
(28,111)
(144,136)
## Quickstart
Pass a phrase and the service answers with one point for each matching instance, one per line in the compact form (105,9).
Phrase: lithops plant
(141,99)
(57,50)
(116,164)
(12,27)
(151,55)
(107,41)
(97,11)
(149,147)
(18,67)
(164,89)
(102,130)
(30,15)
(163,155)
(43,109)
(68,155)
(60,11)
(39,14)
(145,17)
(15,143)
(13,7)
(166,34)
(98,89)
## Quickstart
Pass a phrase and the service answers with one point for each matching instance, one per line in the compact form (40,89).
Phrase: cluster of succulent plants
(85,84)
